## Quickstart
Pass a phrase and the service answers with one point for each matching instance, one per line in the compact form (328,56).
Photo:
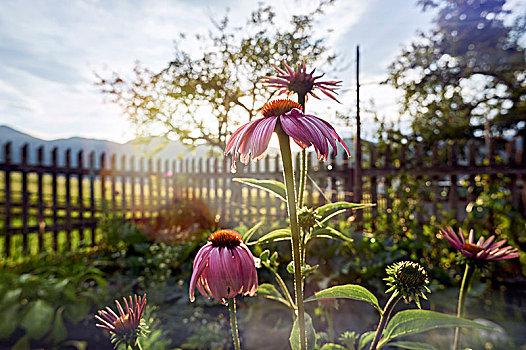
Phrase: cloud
(50,49)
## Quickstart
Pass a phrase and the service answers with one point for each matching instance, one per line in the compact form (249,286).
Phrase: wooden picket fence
(56,205)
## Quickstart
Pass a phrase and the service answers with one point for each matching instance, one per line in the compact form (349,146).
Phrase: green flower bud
(307,218)
(408,279)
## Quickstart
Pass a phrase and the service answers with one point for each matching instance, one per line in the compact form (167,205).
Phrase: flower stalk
(288,175)
(386,313)
(303,168)
(469,272)
(233,322)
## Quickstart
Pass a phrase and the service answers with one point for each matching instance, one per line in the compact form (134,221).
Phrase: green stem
(135,346)
(303,169)
(288,175)
(233,322)
(283,287)
(464,289)
(384,318)
(330,326)
(303,177)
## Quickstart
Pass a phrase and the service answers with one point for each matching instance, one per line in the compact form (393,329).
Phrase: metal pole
(357,198)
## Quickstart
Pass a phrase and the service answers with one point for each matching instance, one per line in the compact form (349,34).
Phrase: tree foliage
(467,77)
(202,98)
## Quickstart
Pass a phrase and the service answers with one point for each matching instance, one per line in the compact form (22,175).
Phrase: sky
(51,49)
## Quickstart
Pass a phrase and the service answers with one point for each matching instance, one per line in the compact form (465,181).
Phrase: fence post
(133,204)
(374,185)
(453,190)
(436,180)
(54,164)
(92,174)
(150,176)
(40,194)
(25,198)
(421,199)
(8,199)
(142,174)
(113,169)
(124,178)
(69,243)
(80,198)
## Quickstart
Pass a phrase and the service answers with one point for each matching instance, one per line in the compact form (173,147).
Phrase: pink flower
(126,326)
(301,82)
(224,267)
(251,140)
(483,249)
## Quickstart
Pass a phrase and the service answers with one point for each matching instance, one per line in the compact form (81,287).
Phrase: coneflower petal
(484,249)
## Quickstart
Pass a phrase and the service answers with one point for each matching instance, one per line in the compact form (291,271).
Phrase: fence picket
(80,194)
(145,192)
(7,205)
(25,198)
(40,199)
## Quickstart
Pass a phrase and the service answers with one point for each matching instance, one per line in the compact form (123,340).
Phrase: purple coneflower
(251,140)
(483,249)
(224,268)
(125,327)
(299,81)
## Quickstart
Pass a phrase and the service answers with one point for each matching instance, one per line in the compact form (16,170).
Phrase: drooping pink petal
(217,280)
(199,266)
(231,271)
(296,129)
(259,138)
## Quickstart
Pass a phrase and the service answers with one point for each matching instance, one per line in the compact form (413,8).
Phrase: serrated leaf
(348,291)
(269,291)
(294,338)
(276,235)
(412,345)
(329,210)
(37,321)
(247,235)
(332,346)
(409,322)
(329,232)
(272,186)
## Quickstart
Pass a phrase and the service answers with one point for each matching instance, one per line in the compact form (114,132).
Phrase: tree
(467,77)
(205,98)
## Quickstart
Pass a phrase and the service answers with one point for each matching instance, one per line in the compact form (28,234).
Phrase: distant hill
(173,150)
(18,139)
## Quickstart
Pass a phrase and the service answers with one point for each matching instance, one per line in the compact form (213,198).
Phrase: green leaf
(11,296)
(9,319)
(332,346)
(275,187)
(411,345)
(329,210)
(329,232)
(76,312)
(348,291)
(247,235)
(38,319)
(59,331)
(294,338)
(409,322)
(269,291)
(365,339)
(22,343)
(276,235)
